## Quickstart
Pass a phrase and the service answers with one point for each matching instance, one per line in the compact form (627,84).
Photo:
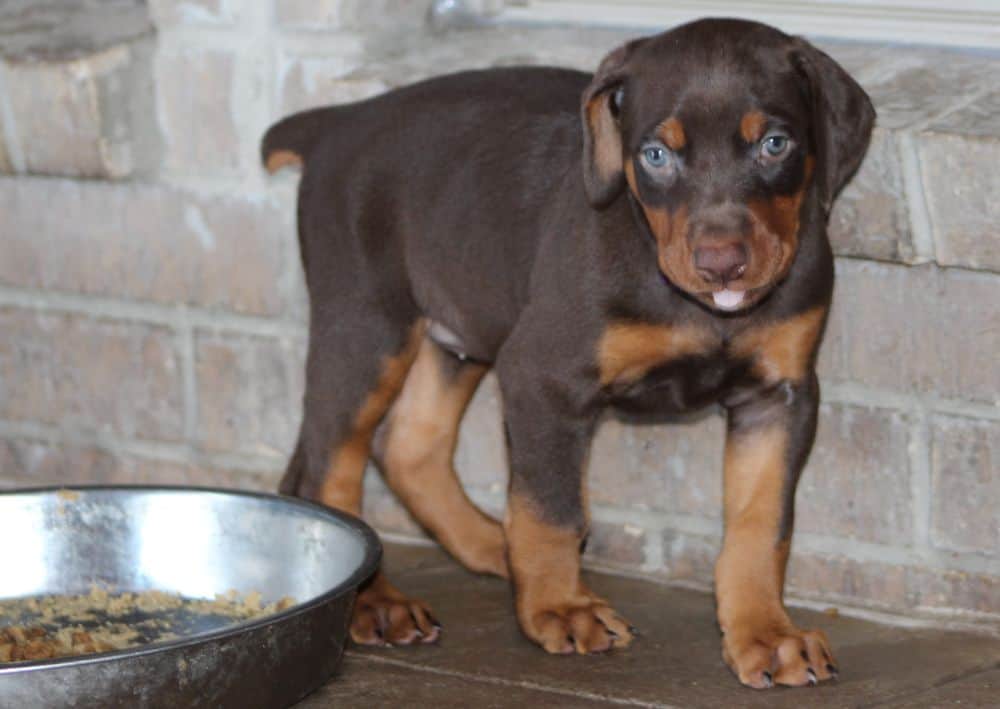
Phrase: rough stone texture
(870,218)
(904,589)
(90,375)
(857,482)
(978,118)
(91,116)
(195,98)
(616,545)
(54,30)
(196,12)
(675,467)
(310,81)
(961,183)
(249,393)
(350,14)
(27,462)
(914,330)
(912,87)
(674,663)
(144,242)
(965,484)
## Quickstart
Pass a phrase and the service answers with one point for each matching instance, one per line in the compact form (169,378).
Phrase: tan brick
(857,482)
(310,81)
(195,97)
(689,557)
(144,242)
(961,183)
(965,484)
(892,586)
(249,393)
(194,12)
(918,329)
(89,374)
(90,116)
(616,545)
(674,467)
(870,218)
(28,462)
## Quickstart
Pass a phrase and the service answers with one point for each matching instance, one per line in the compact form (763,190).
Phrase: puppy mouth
(730,300)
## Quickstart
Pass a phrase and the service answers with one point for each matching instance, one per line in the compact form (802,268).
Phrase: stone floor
(483,661)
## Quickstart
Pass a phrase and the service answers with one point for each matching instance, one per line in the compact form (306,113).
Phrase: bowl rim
(367,567)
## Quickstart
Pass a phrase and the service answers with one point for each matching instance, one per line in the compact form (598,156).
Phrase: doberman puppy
(650,238)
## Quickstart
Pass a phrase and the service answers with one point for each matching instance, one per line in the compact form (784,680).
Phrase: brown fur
(420,438)
(627,351)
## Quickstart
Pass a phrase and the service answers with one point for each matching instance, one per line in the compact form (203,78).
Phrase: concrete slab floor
(483,661)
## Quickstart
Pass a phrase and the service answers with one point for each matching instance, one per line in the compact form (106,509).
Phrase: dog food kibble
(45,627)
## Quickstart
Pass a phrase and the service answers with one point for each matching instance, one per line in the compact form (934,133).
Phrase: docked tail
(291,140)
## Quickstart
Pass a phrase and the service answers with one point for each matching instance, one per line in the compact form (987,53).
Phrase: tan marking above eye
(752,126)
(671,131)
(627,351)
(782,350)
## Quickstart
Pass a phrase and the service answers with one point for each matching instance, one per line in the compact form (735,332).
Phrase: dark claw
(768,679)
(634,630)
(832,670)
(812,676)
(434,621)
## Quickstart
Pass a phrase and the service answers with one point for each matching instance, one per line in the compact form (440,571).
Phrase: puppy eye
(774,147)
(655,156)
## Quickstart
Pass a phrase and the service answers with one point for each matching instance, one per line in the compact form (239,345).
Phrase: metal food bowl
(197,543)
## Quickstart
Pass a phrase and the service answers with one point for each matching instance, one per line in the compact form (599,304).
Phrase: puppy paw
(383,616)
(763,655)
(585,627)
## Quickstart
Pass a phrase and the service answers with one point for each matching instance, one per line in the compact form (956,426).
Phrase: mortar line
(151,313)
(916,201)
(8,125)
(503,682)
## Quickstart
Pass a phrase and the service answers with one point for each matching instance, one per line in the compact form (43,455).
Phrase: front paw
(581,625)
(765,653)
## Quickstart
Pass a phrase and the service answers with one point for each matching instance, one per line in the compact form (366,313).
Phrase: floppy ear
(603,175)
(842,119)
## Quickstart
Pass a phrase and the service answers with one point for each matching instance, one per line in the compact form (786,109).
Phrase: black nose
(719,263)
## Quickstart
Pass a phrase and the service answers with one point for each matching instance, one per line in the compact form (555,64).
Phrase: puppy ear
(603,175)
(842,119)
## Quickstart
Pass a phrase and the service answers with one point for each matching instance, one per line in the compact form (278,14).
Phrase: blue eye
(655,156)
(775,146)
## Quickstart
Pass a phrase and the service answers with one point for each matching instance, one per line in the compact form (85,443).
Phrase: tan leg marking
(627,351)
(282,158)
(554,607)
(420,440)
(783,350)
(761,644)
(342,486)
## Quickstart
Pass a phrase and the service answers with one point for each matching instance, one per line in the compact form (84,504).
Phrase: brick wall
(153,320)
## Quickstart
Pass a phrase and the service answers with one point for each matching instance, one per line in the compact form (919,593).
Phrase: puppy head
(722,130)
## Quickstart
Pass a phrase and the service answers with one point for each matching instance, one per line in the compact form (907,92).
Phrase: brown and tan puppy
(651,238)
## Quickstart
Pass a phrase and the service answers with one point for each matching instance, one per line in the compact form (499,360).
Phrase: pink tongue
(728,299)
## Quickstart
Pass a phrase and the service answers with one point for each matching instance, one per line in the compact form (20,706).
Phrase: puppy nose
(719,263)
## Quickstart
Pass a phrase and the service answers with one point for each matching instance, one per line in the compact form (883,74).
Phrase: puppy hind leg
(416,450)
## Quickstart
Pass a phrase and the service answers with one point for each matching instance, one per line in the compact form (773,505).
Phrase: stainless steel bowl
(198,543)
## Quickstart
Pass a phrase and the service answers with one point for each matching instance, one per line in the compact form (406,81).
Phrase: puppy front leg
(768,440)
(545,525)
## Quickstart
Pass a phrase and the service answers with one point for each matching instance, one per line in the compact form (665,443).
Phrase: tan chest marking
(627,351)
(782,350)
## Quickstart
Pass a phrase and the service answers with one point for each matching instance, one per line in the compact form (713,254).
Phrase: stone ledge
(76,90)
